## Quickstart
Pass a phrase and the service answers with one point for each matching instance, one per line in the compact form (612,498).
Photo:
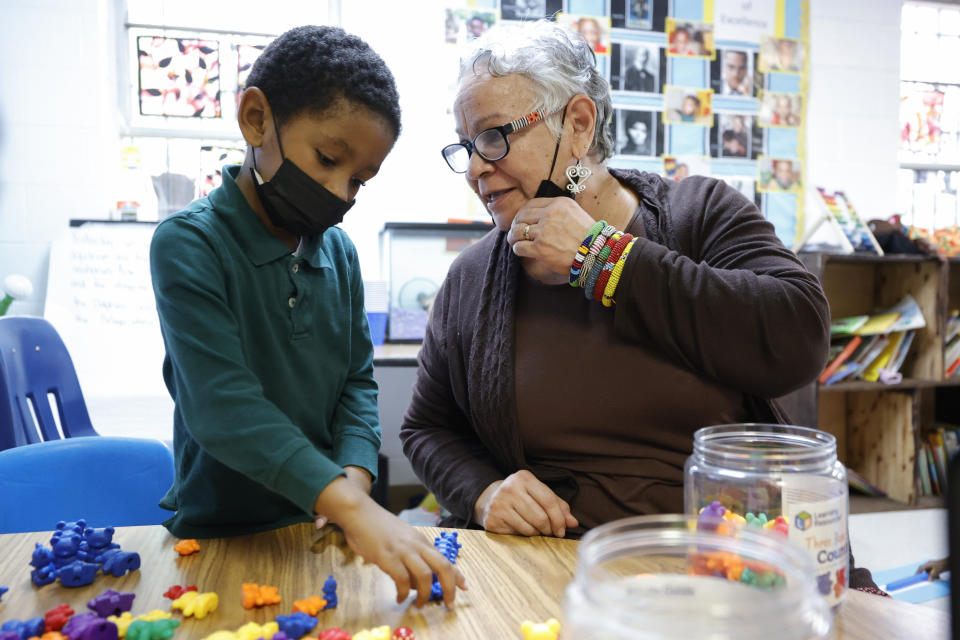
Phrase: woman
(638,139)
(538,411)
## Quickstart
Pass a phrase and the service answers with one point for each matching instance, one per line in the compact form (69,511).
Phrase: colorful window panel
(247,54)
(212,160)
(179,77)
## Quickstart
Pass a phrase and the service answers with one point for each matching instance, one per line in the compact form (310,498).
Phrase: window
(186,66)
(929,177)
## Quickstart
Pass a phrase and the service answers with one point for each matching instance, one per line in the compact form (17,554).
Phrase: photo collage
(690,96)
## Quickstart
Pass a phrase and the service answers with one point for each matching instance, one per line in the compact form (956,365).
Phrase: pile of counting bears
(124,620)
(77,553)
(446,543)
(255,595)
(715,510)
(187,547)
(540,630)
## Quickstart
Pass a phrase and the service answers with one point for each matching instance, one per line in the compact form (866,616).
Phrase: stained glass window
(179,77)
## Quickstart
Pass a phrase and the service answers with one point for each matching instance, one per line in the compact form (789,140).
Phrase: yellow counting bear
(249,631)
(377,633)
(540,630)
(124,620)
(196,604)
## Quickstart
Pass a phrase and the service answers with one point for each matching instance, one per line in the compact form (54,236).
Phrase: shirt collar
(230,204)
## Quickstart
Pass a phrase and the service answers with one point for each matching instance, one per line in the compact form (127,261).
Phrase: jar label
(816,510)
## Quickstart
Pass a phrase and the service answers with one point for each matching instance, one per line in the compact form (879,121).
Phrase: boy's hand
(359,477)
(380,537)
(935,567)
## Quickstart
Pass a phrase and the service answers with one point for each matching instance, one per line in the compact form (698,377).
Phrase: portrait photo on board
(636,132)
(641,15)
(734,73)
(529,9)
(736,135)
(780,109)
(637,66)
(779,174)
(690,39)
(782,55)
(688,106)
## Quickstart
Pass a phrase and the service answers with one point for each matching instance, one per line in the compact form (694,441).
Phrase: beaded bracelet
(598,264)
(584,249)
(591,258)
(609,264)
(611,288)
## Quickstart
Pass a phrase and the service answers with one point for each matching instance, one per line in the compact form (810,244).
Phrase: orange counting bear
(310,606)
(186,547)
(255,595)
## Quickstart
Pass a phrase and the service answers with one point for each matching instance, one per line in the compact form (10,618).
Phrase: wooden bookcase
(877,426)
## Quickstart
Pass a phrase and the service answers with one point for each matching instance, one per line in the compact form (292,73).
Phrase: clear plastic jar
(765,471)
(644,578)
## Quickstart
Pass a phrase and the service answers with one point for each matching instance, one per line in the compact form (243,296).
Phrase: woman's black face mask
(548,188)
(296,202)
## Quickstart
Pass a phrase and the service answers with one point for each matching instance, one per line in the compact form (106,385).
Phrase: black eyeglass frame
(504,130)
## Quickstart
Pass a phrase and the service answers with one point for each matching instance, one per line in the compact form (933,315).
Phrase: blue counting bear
(3,590)
(446,543)
(26,628)
(296,625)
(77,553)
(330,593)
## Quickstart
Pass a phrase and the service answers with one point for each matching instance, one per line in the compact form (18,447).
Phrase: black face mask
(296,202)
(549,189)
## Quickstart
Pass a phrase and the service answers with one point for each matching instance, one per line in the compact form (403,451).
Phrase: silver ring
(526,232)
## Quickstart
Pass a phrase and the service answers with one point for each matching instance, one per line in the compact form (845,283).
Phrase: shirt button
(292,302)
(296,268)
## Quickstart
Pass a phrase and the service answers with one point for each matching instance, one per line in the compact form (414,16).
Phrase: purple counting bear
(111,603)
(117,562)
(296,625)
(280,635)
(89,626)
(24,629)
(823,583)
(9,635)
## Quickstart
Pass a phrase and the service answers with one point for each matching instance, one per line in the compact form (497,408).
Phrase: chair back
(38,385)
(106,480)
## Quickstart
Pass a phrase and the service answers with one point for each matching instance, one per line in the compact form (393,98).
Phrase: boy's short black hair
(310,68)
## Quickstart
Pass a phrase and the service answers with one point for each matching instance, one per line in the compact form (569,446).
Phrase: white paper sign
(743,20)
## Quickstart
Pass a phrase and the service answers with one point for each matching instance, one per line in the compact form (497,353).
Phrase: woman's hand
(554,227)
(523,505)
(379,537)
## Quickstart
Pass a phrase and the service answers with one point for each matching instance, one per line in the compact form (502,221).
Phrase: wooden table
(510,578)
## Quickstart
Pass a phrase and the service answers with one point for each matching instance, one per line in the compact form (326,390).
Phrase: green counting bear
(152,630)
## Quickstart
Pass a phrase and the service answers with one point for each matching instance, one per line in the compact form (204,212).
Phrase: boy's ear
(253,115)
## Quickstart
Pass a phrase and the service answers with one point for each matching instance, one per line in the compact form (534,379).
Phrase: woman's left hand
(548,232)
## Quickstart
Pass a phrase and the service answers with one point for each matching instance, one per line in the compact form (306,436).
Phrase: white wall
(853,112)
(56,127)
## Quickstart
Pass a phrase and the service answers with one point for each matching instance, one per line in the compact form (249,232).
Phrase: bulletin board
(699,87)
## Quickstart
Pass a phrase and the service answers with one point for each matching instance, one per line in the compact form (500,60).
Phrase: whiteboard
(100,299)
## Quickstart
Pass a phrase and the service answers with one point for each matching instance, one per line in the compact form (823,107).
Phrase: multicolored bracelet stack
(598,265)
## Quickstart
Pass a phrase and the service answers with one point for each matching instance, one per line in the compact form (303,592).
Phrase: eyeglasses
(491,144)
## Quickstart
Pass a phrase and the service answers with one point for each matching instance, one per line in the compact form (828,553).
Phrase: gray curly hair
(558,62)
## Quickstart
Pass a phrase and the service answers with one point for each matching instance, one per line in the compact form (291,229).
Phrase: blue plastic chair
(107,480)
(34,362)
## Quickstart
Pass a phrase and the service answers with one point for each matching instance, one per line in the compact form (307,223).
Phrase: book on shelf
(932,466)
(861,484)
(903,316)
(926,488)
(846,349)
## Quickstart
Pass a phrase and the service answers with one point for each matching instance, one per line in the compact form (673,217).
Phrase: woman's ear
(253,114)
(582,118)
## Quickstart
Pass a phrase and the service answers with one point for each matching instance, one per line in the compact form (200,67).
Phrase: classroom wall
(58,119)
(56,127)
(853,115)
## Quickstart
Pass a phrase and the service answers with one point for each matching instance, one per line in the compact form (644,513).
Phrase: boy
(269,358)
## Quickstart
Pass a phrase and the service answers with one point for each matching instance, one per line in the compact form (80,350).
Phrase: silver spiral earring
(577,175)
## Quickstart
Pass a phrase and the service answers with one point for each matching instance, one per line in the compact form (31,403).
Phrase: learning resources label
(818,524)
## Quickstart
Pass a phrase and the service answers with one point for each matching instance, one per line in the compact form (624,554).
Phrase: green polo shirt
(269,363)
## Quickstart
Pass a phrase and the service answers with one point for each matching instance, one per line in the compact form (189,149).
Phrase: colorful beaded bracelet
(611,288)
(584,249)
(591,258)
(598,264)
(615,254)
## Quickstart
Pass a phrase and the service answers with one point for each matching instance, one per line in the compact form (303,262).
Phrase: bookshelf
(878,426)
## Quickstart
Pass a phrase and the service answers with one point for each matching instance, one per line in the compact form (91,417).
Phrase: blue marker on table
(903,583)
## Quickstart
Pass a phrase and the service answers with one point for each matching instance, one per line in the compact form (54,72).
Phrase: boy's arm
(219,397)
(356,422)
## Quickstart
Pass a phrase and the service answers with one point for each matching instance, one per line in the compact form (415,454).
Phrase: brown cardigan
(711,287)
